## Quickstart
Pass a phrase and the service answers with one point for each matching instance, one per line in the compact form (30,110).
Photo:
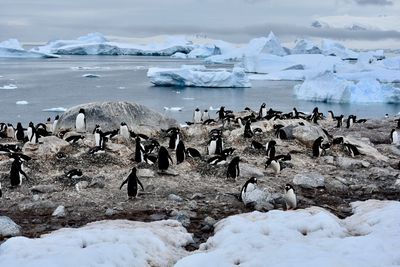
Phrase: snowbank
(198,76)
(310,237)
(328,87)
(13,49)
(104,243)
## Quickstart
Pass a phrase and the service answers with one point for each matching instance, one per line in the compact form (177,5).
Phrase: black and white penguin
(197,116)
(174,139)
(31,133)
(17,171)
(163,159)
(330,116)
(257,145)
(10,131)
(219,145)
(110,134)
(217,160)
(212,145)
(80,122)
(133,182)
(49,125)
(317,147)
(270,147)
(209,121)
(74,173)
(350,121)
(248,186)
(221,113)
(205,116)
(20,132)
(193,153)
(74,138)
(150,159)
(263,111)
(228,151)
(180,152)
(41,130)
(275,165)
(394,137)
(352,149)
(139,151)
(55,122)
(286,157)
(151,147)
(290,197)
(248,133)
(339,121)
(233,170)
(98,137)
(124,131)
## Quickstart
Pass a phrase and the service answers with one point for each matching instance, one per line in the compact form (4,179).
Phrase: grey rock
(110,212)
(81,185)
(259,199)
(309,180)
(109,116)
(349,163)
(8,228)
(49,146)
(181,216)
(192,204)
(197,196)
(208,223)
(308,133)
(175,198)
(328,159)
(37,205)
(59,212)
(97,182)
(45,188)
(145,173)
(247,170)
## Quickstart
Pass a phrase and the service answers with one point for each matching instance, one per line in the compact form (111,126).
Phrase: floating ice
(304,46)
(22,102)
(90,68)
(59,109)
(198,76)
(91,75)
(8,87)
(13,49)
(330,47)
(173,108)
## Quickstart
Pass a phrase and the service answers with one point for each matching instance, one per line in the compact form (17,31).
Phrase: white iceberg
(13,49)
(311,237)
(198,76)
(22,102)
(328,87)
(104,243)
(304,46)
(10,86)
(173,108)
(203,51)
(58,109)
(333,48)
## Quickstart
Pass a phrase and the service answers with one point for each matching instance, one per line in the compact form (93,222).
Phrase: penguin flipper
(124,182)
(140,183)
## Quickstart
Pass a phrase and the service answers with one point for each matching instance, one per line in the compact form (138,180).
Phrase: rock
(197,196)
(109,116)
(97,182)
(192,205)
(59,212)
(181,216)
(110,212)
(49,146)
(8,228)
(349,163)
(365,147)
(175,198)
(209,223)
(148,173)
(48,188)
(247,170)
(259,199)
(308,133)
(309,180)
(35,197)
(328,160)
(37,205)
(81,185)
(122,150)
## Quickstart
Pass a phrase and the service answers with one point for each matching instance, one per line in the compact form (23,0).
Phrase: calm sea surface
(52,83)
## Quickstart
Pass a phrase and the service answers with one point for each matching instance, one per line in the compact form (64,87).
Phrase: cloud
(375,2)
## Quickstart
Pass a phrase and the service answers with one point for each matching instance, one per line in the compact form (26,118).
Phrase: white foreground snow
(310,237)
(198,76)
(105,243)
(13,49)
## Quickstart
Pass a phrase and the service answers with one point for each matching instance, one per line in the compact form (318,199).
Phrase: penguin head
(272,143)
(197,110)
(263,105)
(253,180)
(288,187)
(206,110)
(123,123)
(134,170)
(319,139)
(82,111)
(31,124)
(48,119)
(57,117)
(19,126)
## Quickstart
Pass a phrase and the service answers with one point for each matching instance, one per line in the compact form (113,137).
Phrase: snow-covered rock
(104,243)
(13,49)
(8,228)
(309,180)
(198,76)
(310,237)
(59,212)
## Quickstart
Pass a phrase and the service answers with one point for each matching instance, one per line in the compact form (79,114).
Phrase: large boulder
(309,180)
(109,116)
(308,133)
(8,227)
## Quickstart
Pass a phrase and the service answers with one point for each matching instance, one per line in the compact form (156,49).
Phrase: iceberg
(304,46)
(13,49)
(332,48)
(8,87)
(328,87)
(198,76)
(22,102)
(58,109)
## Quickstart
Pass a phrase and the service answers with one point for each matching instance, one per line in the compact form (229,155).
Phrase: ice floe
(8,87)
(13,49)
(22,102)
(58,109)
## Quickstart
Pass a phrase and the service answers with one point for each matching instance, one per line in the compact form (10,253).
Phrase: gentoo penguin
(256,145)
(394,137)
(290,197)
(80,123)
(350,121)
(10,131)
(150,159)
(197,116)
(209,121)
(16,172)
(248,186)
(163,159)
(41,130)
(74,173)
(317,146)
(32,137)
(275,165)
(133,182)
(55,122)
(352,149)
(49,125)
(98,137)
(74,138)
(228,151)
(233,168)
(248,133)
(212,145)
(263,111)
(180,152)
(174,139)
(19,133)
(286,157)
(139,151)
(270,147)
(205,116)
(193,153)
(339,121)
(124,131)
(217,160)
(152,147)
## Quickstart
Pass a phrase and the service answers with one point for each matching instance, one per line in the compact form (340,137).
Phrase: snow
(13,49)
(331,47)
(58,109)
(303,46)
(309,237)
(22,102)
(328,87)
(8,87)
(105,243)
(198,76)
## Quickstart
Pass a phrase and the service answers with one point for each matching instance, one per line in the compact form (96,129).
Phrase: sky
(230,20)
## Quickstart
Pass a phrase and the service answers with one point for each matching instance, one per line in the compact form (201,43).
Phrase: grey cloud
(375,2)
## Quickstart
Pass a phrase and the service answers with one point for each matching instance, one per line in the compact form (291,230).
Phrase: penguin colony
(149,150)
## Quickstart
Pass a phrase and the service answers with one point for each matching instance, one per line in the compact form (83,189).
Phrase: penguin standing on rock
(290,197)
(16,172)
(250,185)
(180,152)
(205,116)
(394,137)
(124,131)
(197,116)
(163,159)
(212,145)
(133,182)
(270,147)
(248,133)
(19,133)
(193,153)
(263,111)
(317,146)
(174,139)
(275,164)
(233,168)
(32,136)
(139,151)
(55,122)
(80,122)
(10,131)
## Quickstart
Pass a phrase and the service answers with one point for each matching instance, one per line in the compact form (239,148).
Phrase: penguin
(248,186)
(10,131)
(221,113)
(96,150)
(270,147)
(317,146)
(98,137)
(152,147)
(350,121)
(352,149)
(263,111)
(16,172)
(32,137)
(80,122)
(142,137)
(233,168)
(110,134)
(41,130)
(248,133)
(124,131)
(398,123)
(193,153)
(150,159)
(139,151)
(174,139)
(290,197)
(217,160)
(212,145)
(257,131)
(275,165)
(359,121)
(133,182)
(205,116)
(219,145)
(394,137)
(163,159)
(49,125)
(339,121)
(228,151)
(256,145)
(74,138)
(286,157)
(197,116)
(180,152)
(315,115)
(20,133)
(74,173)
(330,116)
(55,122)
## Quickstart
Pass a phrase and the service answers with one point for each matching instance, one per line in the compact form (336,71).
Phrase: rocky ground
(199,194)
